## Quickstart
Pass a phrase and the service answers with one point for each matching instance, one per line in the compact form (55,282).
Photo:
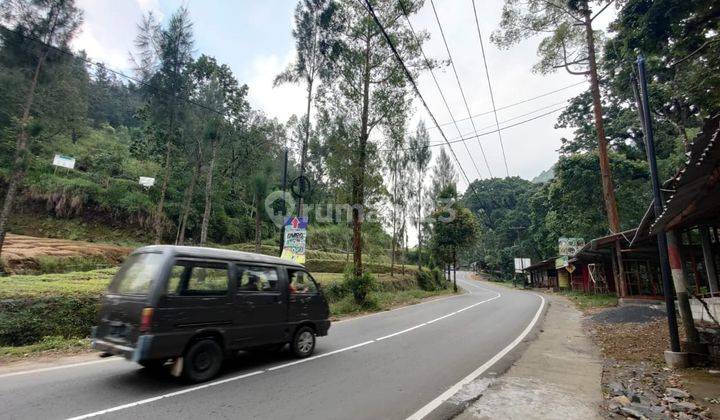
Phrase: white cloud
(150,6)
(113,57)
(282,101)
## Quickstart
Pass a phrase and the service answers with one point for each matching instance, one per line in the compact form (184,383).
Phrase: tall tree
(570,44)
(397,164)
(444,175)
(41,25)
(420,155)
(370,87)
(162,60)
(314,46)
(259,186)
(225,108)
(455,227)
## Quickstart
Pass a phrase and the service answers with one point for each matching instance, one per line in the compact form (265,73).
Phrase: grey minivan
(195,306)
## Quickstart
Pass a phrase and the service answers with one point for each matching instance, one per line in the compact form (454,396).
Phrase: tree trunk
(358,187)
(187,201)
(454,268)
(258,234)
(21,146)
(394,219)
(419,220)
(605,171)
(303,149)
(208,194)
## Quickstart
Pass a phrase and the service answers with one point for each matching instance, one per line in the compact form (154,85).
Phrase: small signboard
(64,161)
(146,181)
(561,262)
(294,239)
(521,264)
(570,246)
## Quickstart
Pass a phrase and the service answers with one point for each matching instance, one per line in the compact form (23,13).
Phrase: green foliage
(26,321)
(37,309)
(454,228)
(361,287)
(586,301)
(47,344)
(431,280)
(49,264)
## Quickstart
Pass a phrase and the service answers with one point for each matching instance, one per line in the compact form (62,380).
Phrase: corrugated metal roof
(693,181)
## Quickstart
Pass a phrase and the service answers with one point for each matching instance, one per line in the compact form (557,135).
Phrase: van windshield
(137,274)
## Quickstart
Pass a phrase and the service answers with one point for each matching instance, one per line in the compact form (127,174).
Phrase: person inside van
(299,284)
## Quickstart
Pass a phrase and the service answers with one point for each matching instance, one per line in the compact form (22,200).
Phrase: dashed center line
(296,362)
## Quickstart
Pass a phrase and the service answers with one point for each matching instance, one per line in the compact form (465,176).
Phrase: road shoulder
(557,376)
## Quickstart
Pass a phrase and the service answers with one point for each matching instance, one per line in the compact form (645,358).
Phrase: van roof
(227,254)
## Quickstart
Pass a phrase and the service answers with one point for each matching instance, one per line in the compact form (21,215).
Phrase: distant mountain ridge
(544,176)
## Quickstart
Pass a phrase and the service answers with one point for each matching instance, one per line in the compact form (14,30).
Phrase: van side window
(301,282)
(194,278)
(256,279)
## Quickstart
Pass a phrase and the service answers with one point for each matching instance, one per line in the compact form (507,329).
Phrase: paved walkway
(557,377)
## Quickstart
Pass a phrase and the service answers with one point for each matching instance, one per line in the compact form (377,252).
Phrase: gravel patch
(629,314)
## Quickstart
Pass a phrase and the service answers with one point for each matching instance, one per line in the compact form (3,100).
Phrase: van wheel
(202,360)
(303,342)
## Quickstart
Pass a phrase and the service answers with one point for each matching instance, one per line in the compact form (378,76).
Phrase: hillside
(544,176)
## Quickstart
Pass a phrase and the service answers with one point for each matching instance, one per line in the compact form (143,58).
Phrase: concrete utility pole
(680,282)
(673,249)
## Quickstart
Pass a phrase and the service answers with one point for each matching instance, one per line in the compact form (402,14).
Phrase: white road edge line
(47,369)
(235,378)
(432,405)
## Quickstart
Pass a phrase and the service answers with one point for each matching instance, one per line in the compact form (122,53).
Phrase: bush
(425,280)
(439,277)
(431,280)
(27,321)
(361,287)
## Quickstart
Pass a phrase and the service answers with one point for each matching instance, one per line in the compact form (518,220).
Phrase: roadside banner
(294,240)
(521,264)
(64,161)
(570,246)
(146,181)
(561,262)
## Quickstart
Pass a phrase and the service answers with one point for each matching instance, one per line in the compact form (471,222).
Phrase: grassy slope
(586,301)
(49,290)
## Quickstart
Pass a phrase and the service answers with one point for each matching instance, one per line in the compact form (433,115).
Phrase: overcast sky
(254,38)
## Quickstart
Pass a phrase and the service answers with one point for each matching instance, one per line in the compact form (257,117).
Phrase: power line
(492,97)
(518,117)
(518,103)
(442,95)
(457,78)
(486,133)
(371,12)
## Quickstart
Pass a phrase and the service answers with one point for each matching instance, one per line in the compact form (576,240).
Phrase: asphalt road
(389,365)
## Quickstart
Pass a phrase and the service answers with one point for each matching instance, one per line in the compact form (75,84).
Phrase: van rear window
(137,274)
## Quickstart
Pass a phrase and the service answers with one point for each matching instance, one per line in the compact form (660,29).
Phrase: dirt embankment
(27,254)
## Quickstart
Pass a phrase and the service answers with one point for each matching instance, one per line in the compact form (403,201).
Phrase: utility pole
(661,238)
(284,203)
(673,248)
